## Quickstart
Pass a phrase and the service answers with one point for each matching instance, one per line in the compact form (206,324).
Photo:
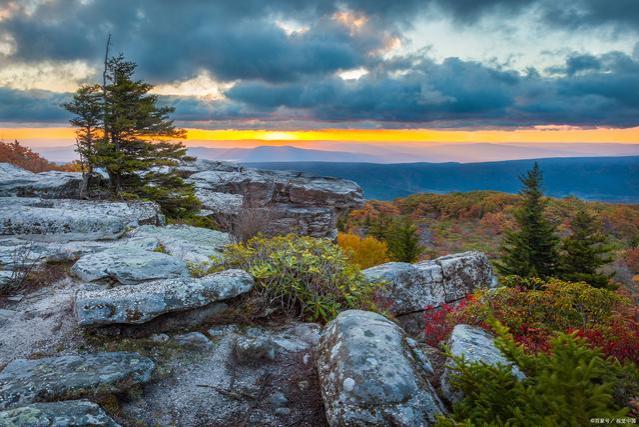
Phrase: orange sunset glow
(312,138)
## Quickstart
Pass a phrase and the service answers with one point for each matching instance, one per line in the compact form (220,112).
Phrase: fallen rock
(368,375)
(77,413)
(129,265)
(193,245)
(23,382)
(412,287)
(285,201)
(476,345)
(140,303)
(15,181)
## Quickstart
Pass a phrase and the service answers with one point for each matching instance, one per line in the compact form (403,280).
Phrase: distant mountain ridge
(608,179)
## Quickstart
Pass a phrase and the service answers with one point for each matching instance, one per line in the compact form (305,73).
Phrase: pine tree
(87,106)
(530,251)
(585,251)
(134,146)
(402,238)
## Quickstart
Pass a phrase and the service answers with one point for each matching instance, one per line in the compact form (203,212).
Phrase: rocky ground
(121,326)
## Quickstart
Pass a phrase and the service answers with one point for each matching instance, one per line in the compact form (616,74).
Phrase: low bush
(302,276)
(605,318)
(568,385)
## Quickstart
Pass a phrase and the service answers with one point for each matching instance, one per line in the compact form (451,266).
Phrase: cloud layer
(278,63)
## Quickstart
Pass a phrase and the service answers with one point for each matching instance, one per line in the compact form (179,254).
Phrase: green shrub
(566,386)
(303,276)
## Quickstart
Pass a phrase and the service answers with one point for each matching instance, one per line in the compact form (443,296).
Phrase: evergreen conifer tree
(134,147)
(87,106)
(530,251)
(402,238)
(585,251)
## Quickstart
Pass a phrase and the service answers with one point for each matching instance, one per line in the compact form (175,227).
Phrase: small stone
(253,349)
(15,298)
(282,411)
(194,340)
(159,338)
(278,399)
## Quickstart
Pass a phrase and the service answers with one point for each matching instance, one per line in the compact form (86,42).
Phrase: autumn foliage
(365,252)
(24,157)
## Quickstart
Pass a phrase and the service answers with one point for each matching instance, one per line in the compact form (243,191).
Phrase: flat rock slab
(129,265)
(77,413)
(476,345)
(15,181)
(413,287)
(56,223)
(23,382)
(369,376)
(136,304)
(194,245)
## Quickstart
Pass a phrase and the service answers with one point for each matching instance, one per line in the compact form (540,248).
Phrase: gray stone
(476,345)
(413,287)
(140,303)
(129,265)
(77,413)
(210,388)
(196,340)
(69,377)
(194,245)
(15,181)
(291,201)
(66,220)
(368,375)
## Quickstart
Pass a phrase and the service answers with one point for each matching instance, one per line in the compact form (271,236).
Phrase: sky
(247,72)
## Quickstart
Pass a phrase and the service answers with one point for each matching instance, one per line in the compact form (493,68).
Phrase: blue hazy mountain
(610,179)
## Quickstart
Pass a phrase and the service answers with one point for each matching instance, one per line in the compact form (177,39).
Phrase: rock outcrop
(135,304)
(77,413)
(23,382)
(15,181)
(476,345)
(282,202)
(369,376)
(411,288)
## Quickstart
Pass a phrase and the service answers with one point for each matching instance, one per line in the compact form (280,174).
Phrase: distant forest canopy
(607,179)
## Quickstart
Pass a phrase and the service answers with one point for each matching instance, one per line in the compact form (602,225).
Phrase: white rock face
(136,304)
(128,265)
(292,202)
(193,245)
(369,376)
(476,345)
(15,181)
(412,287)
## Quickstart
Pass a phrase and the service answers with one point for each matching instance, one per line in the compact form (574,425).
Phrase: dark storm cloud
(282,77)
(31,106)
(600,90)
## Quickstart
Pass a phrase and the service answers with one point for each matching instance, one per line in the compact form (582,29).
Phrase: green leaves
(304,276)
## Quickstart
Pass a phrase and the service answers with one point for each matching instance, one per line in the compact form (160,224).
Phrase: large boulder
(194,245)
(77,413)
(475,345)
(411,288)
(289,201)
(128,265)
(23,382)
(369,375)
(15,181)
(136,304)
